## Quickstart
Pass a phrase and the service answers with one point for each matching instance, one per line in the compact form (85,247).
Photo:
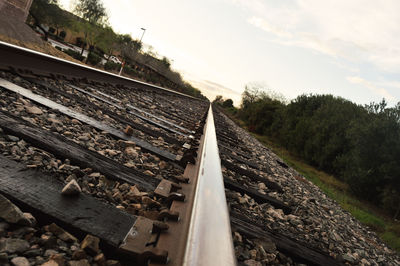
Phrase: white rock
(20,261)
(262,186)
(33,110)
(11,213)
(72,188)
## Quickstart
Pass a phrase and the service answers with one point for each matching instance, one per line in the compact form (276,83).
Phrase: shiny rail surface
(210,238)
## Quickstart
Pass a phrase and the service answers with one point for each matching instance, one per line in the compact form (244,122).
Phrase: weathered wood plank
(224,140)
(230,149)
(300,252)
(160,119)
(134,113)
(119,118)
(257,196)
(41,194)
(251,175)
(186,116)
(154,123)
(64,148)
(87,120)
(246,160)
(241,160)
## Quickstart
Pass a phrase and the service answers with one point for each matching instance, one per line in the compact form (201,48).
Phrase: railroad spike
(175,196)
(168,215)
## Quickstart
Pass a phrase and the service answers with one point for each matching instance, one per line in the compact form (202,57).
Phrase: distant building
(17,9)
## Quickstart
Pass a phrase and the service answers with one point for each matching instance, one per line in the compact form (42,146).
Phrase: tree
(250,95)
(218,99)
(166,62)
(228,103)
(128,47)
(57,18)
(107,41)
(92,11)
(48,12)
(94,17)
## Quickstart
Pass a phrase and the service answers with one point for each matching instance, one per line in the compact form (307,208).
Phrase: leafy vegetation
(365,212)
(74,54)
(93,59)
(92,11)
(360,145)
(48,12)
(112,66)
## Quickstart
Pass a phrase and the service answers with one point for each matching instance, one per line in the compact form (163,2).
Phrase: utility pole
(144,30)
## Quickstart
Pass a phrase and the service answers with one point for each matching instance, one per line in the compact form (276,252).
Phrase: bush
(129,70)
(93,59)
(227,103)
(62,35)
(80,42)
(112,66)
(74,54)
(359,144)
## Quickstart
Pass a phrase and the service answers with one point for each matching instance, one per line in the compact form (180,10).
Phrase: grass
(383,225)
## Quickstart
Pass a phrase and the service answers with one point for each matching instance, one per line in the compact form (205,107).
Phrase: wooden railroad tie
(118,231)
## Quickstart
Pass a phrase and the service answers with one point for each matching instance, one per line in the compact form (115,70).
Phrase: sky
(346,48)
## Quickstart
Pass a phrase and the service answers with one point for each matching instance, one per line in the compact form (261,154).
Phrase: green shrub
(129,70)
(62,35)
(227,103)
(93,59)
(112,66)
(391,239)
(395,228)
(74,54)
(358,144)
(80,42)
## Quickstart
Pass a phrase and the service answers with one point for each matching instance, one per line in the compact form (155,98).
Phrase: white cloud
(358,30)
(375,88)
(266,26)
(346,67)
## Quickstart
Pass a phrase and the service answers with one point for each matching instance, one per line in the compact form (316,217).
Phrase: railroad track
(146,160)
(135,150)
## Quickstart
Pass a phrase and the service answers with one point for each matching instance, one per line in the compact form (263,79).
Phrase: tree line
(358,144)
(90,20)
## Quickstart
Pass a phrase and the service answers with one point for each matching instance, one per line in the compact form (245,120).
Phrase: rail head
(210,237)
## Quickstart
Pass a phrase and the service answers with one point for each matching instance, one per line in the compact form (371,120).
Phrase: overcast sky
(345,48)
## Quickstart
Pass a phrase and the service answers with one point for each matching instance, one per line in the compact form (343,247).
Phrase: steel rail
(210,237)
(40,63)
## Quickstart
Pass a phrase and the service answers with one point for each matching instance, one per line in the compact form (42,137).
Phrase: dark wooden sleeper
(300,252)
(257,196)
(251,175)
(81,214)
(64,148)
